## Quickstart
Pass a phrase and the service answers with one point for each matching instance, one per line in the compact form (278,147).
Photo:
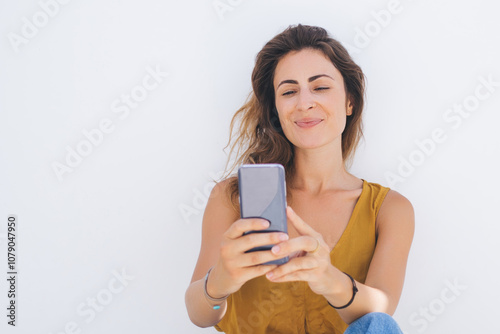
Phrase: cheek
(284,109)
(284,105)
(336,100)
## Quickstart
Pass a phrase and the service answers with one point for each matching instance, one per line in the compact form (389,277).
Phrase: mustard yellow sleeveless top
(261,306)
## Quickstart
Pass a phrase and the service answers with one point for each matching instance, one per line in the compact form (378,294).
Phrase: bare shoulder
(220,197)
(396,211)
(219,212)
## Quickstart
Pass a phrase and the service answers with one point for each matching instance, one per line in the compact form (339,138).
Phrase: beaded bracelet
(212,299)
(354,290)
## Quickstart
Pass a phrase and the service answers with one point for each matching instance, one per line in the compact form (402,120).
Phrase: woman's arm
(384,282)
(223,246)
(217,218)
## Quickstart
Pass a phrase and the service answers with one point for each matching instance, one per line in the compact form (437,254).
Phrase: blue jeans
(374,323)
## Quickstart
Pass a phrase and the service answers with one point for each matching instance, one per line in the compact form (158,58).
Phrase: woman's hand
(309,258)
(235,267)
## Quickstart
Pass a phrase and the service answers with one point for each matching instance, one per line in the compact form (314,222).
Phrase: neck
(320,169)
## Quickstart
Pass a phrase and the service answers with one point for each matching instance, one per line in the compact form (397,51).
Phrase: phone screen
(263,195)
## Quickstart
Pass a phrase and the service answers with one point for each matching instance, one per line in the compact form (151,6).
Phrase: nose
(305,100)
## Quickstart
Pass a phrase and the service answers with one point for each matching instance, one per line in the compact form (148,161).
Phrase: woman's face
(310,99)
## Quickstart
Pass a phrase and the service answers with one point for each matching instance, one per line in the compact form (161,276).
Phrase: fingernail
(269,274)
(275,249)
(265,223)
(283,237)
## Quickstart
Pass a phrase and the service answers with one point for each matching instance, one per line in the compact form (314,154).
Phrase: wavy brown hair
(258,137)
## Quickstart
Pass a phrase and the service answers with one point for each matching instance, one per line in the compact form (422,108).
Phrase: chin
(308,144)
(312,142)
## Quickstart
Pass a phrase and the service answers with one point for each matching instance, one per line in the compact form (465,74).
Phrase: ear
(349,107)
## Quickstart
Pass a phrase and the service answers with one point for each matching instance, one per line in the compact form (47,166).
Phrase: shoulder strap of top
(376,196)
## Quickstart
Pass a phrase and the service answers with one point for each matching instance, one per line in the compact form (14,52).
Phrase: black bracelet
(354,290)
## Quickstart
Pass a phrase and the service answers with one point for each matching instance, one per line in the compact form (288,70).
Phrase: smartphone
(262,190)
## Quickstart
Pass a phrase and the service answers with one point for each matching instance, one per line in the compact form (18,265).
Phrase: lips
(308,122)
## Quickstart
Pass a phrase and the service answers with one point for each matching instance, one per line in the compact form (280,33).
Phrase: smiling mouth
(308,124)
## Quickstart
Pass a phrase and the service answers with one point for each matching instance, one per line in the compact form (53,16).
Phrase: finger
(296,254)
(299,244)
(302,275)
(294,265)
(256,271)
(253,240)
(302,227)
(257,258)
(241,226)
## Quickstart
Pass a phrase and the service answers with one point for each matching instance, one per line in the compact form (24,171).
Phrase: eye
(290,92)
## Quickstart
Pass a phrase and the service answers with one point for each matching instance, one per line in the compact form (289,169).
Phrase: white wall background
(120,208)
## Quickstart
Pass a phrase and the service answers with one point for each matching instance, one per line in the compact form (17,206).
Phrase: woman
(348,239)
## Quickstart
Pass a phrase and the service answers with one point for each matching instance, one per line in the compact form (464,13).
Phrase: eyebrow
(309,80)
